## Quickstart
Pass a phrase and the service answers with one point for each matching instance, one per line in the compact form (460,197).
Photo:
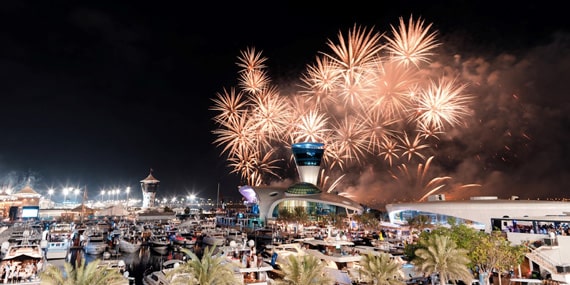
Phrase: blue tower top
(308,153)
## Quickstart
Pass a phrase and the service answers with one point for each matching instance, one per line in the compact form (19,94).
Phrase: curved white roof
(482,210)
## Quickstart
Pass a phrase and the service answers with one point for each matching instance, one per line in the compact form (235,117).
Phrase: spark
(412,44)
(312,127)
(442,103)
(229,105)
(412,147)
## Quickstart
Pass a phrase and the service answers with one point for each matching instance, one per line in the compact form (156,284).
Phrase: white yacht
(94,246)
(58,240)
(121,267)
(158,277)
(129,245)
(26,261)
(249,268)
(213,237)
(277,254)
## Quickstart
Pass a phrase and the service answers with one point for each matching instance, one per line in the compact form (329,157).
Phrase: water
(137,262)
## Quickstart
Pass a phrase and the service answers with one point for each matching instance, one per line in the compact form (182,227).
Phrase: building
(12,205)
(477,211)
(149,186)
(542,225)
(269,200)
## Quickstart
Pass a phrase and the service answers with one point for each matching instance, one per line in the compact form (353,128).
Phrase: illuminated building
(269,200)
(149,186)
(477,211)
(11,204)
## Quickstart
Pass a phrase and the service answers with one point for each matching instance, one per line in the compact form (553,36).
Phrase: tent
(115,210)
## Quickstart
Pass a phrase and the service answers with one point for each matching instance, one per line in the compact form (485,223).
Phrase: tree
(381,269)
(91,274)
(304,270)
(440,255)
(300,215)
(420,222)
(367,221)
(493,252)
(211,269)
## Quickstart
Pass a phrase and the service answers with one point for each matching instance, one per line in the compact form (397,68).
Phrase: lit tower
(308,157)
(149,186)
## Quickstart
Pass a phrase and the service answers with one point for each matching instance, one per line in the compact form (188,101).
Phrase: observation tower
(149,186)
(308,157)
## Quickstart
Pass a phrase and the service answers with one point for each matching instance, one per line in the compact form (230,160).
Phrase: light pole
(128,191)
(109,195)
(65,192)
(50,192)
(102,195)
(76,191)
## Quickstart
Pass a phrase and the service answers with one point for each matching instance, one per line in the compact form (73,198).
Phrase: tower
(308,157)
(149,186)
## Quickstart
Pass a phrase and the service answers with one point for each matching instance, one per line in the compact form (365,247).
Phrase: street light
(50,192)
(76,192)
(102,195)
(65,192)
(128,191)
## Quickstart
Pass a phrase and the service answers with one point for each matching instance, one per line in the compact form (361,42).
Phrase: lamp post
(109,195)
(65,192)
(50,192)
(76,191)
(128,191)
(102,195)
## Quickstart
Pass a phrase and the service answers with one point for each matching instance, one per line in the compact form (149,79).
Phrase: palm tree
(382,269)
(440,254)
(210,269)
(91,274)
(304,270)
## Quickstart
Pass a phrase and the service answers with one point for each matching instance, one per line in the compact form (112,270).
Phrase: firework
(367,99)
(412,44)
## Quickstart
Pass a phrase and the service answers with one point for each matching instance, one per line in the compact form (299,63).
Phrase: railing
(542,260)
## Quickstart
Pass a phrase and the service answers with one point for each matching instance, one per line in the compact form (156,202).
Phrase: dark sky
(96,93)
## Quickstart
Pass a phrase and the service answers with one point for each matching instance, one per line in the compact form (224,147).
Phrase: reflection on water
(137,262)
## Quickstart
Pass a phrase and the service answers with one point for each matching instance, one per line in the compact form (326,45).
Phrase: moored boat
(158,277)
(129,245)
(22,264)
(58,241)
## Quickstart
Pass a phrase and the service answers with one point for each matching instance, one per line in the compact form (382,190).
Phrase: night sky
(97,93)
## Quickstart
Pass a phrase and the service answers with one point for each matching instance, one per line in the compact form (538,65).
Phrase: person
(7,270)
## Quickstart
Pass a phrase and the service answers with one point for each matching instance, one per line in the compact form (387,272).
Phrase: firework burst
(367,99)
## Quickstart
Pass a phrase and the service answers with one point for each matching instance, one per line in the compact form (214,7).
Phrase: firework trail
(369,100)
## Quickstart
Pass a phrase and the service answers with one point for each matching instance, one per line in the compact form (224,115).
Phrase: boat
(159,241)
(58,240)
(95,246)
(277,254)
(213,237)
(337,253)
(249,267)
(25,231)
(95,243)
(22,263)
(158,277)
(177,239)
(129,245)
(121,267)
